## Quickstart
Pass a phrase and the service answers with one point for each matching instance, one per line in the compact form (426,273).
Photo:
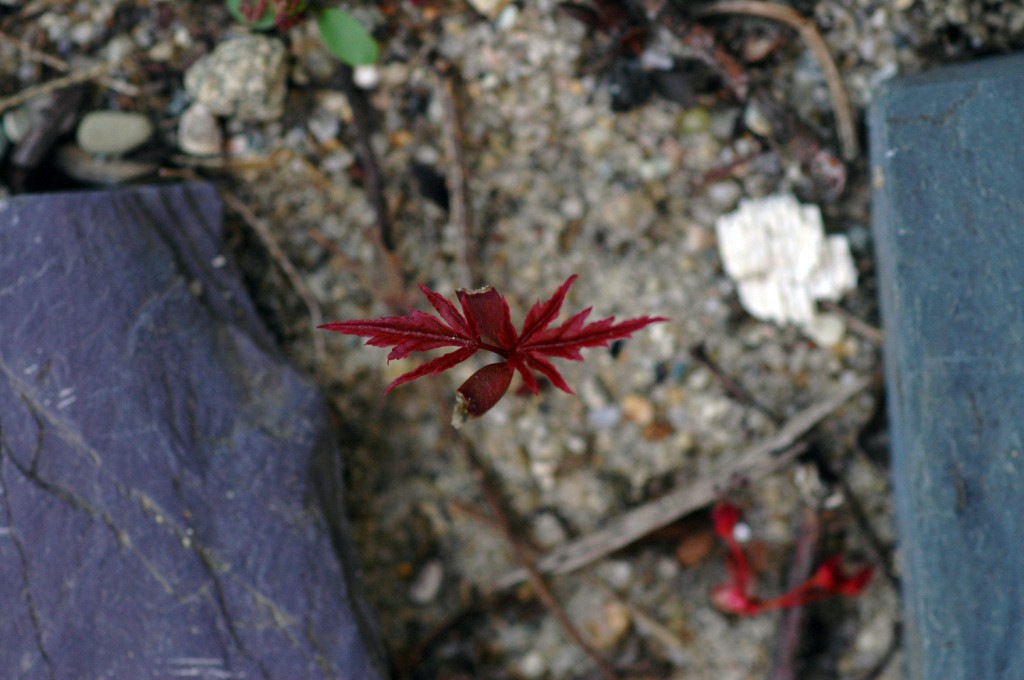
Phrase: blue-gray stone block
(169,484)
(947,153)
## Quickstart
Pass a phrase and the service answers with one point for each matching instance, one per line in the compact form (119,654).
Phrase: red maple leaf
(485,323)
(737,595)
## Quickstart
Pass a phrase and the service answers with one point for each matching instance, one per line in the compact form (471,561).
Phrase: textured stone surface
(946,151)
(244,78)
(163,472)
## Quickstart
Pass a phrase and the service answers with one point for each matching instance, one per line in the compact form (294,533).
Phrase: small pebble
(239,145)
(723,195)
(113,133)
(607,628)
(366,76)
(571,207)
(118,48)
(825,329)
(427,583)
(17,122)
(84,33)
(604,418)
(548,530)
(162,51)
(723,123)
(656,168)
(757,121)
(199,133)
(325,127)
(638,409)
(506,18)
(532,665)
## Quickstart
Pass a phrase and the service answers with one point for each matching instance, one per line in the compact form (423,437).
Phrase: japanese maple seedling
(737,595)
(485,323)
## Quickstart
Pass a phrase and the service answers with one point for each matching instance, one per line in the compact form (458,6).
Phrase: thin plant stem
(811,36)
(524,555)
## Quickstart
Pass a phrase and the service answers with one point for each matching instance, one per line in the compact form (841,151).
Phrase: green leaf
(346,38)
(266,21)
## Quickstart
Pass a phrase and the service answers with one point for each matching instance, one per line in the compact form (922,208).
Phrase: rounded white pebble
(427,583)
(366,77)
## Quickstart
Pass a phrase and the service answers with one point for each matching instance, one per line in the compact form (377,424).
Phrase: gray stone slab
(169,485)
(947,152)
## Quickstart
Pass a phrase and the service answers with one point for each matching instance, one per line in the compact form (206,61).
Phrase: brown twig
(19,98)
(362,118)
(724,171)
(524,554)
(811,36)
(59,64)
(731,386)
(644,619)
(881,554)
(759,460)
(784,667)
(861,328)
(322,240)
(287,268)
(407,665)
(218,164)
(392,288)
(461,211)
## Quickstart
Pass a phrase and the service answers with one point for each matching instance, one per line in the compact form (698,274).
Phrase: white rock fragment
(199,133)
(427,583)
(776,251)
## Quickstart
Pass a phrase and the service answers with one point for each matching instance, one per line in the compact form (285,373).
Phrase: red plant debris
(737,595)
(287,13)
(485,324)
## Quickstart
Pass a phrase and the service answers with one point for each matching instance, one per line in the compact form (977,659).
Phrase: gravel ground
(527,104)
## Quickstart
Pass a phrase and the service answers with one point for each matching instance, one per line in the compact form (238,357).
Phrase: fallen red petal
(737,597)
(734,601)
(725,517)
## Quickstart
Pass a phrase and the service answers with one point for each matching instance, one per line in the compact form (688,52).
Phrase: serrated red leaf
(493,319)
(485,323)
(549,371)
(447,311)
(567,340)
(438,365)
(542,314)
